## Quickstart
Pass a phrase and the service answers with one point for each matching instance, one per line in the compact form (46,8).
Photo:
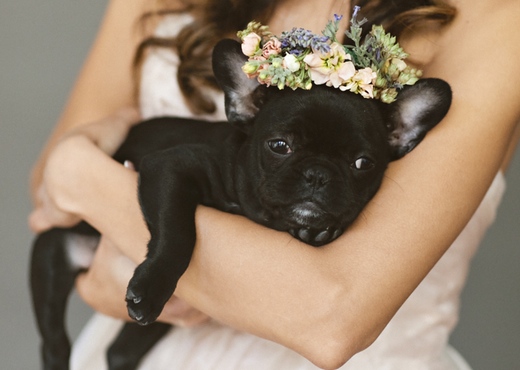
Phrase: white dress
(416,338)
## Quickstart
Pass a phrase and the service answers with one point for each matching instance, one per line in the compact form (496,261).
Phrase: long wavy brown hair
(216,19)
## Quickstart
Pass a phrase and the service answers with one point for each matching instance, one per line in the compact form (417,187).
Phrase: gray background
(42,45)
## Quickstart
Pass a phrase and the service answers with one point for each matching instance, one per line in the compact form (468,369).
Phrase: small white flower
(291,63)
(332,68)
(399,63)
(347,70)
(365,76)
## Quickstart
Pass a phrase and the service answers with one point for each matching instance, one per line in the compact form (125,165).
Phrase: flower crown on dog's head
(374,68)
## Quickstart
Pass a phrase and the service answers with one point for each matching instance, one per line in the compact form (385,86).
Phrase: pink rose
(272,47)
(250,44)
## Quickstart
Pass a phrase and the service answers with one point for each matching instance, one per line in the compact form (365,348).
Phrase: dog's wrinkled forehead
(319,112)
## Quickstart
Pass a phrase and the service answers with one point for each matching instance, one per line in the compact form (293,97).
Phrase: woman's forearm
(342,295)
(86,182)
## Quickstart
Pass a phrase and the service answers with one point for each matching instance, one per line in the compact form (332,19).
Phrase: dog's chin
(307,214)
(311,224)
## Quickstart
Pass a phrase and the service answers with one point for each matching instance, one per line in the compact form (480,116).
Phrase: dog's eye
(279,146)
(363,164)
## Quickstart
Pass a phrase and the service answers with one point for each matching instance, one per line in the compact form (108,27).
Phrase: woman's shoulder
(477,55)
(482,43)
(484,24)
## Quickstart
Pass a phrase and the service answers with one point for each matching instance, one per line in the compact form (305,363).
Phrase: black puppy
(305,162)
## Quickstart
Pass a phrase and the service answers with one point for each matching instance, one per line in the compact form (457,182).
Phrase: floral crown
(374,68)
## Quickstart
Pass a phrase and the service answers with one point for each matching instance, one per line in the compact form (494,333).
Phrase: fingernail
(128,164)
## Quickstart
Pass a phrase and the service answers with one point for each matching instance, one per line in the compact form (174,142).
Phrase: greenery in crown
(374,68)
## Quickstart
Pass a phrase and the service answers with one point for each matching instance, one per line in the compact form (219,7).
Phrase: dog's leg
(58,256)
(132,343)
(172,184)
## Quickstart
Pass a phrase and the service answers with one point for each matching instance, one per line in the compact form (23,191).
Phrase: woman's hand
(103,287)
(48,214)
(54,180)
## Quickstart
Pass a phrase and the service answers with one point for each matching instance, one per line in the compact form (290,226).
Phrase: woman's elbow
(340,333)
(332,350)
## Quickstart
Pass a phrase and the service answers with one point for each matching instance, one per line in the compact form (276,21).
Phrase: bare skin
(340,296)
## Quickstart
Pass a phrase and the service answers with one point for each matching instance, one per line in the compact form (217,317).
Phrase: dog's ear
(417,110)
(242,94)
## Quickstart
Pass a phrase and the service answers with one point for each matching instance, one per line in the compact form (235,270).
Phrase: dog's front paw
(316,237)
(147,294)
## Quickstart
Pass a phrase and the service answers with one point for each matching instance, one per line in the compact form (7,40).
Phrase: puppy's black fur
(305,162)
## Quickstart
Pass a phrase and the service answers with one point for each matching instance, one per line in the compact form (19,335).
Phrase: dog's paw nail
(131,296)
(304,234)
(323,236)
(133,299)
(336,234)
(141,315)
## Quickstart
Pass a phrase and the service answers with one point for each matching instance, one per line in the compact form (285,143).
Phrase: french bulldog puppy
(303,162)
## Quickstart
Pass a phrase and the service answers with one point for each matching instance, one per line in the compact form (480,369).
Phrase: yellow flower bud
(388,96)
(250,68)
(381,82)
(277,62)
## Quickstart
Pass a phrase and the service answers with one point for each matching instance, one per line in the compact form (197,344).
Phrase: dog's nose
(317,176)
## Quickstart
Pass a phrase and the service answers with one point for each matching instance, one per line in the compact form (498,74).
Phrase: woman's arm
(105,83)
(329,303)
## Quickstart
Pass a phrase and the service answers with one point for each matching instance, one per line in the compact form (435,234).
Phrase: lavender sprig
(358,51)
(299,40)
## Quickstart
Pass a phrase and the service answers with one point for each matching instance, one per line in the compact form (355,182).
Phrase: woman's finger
(47,215)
